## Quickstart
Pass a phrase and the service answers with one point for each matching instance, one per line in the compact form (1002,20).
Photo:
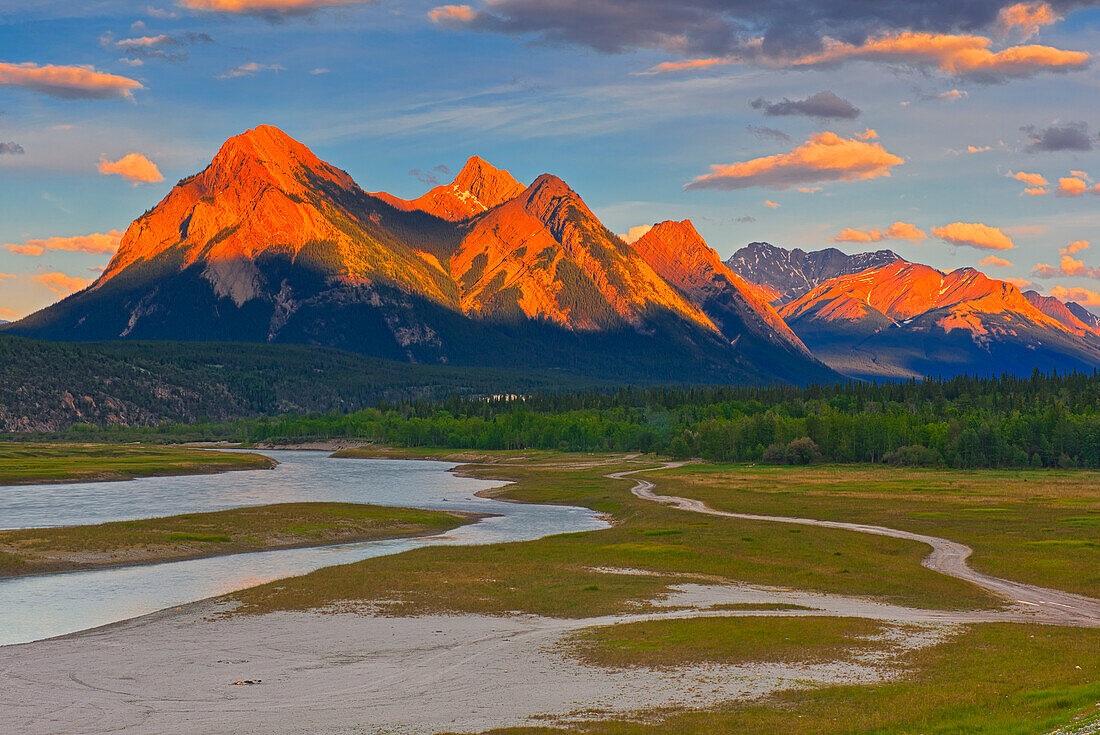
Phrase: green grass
(194,535)
(554,576)
(732,640)
(1041,527)
(992,680)
(28,463)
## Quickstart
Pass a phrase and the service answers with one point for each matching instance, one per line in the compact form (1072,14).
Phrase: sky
(956,134)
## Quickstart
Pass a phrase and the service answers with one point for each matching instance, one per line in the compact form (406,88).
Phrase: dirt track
(1040,604)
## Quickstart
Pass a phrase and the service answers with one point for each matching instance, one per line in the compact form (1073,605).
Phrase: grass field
(29,463)
(195,535)
(1037,526)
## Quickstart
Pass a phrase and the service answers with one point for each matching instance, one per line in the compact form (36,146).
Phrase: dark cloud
(763,132)
(1072,136)
(719,27)
(746,218)
(821,105)
(431,178)
(13,149)
(162,47)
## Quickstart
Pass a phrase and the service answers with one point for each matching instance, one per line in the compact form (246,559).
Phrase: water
(32,608)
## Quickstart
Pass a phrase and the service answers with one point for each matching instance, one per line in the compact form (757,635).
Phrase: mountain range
(270,244)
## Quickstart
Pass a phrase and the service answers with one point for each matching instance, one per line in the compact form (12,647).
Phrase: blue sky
(380,90)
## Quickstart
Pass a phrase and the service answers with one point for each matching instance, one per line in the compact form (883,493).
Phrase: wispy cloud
(896,231)
(974,235)
(96,243)
(247,70)
(67,82)
(60,283)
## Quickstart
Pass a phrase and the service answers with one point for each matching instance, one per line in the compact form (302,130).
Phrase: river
(43,606)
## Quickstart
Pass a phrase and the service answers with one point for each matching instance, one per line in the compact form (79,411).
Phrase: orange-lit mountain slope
(270,244)
(906,319)
(478,187)
(681,257)
(1059,311)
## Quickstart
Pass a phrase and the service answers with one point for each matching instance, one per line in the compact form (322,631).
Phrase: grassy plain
(23,463)
(196,535)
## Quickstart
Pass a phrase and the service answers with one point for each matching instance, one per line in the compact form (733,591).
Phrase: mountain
(1087,317)
(910,320)
(682,258)
(270,244)
(478,187)
(790,273)
(1058,311)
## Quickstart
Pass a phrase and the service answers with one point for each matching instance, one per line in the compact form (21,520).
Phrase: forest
(962,422)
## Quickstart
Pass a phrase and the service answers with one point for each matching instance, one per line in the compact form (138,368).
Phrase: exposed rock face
(270,244)
(791,273)
(1087,317)
(478,187)
(1064,313)
(893,320)
(682,258)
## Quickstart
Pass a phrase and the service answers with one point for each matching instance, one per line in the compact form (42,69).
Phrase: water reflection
(38,607)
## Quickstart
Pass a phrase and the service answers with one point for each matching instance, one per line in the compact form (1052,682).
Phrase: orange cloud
(1030,179)
(7,312)
(635,233)
(770,203)
(1037,191)
(6,275)
(452,14)
(682,65)
(1083,296)
(1026,18)
(1020,283)
(953,94)
(1071,186)
(60,283)
(809,189)
(896,231)
(974,235)
(97,243)
(953,54)
(133,166)
(994,262)
(69,82)
(264,7)
(825,157)
(1074,247)
(868,134)
(978,149)
(1080,175)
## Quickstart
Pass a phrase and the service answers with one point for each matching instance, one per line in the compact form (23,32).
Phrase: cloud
(1072,136)
(687,64)
(1025,19)
(1071,186)
(319,70)
(1035,191)
(994,262)
(247,70)
(634,234)
(896,231)
(11,149)
(5,311)
(777,33)
(745,219)
(825,157)
(1020,283)
(160,13)
(162,47)
(61,284)
(431,178)
(770,203)
(269,8)
(951,95)
(1074,247)
(453,15)
(6,275)
(978,149)
(99,243)
(67,82)
(868,134)
(1030,179)
(809,189)
(957,55)
(821,105)
(1082,296)
(133,166)
(974,235)
(763,132)
(1045,270)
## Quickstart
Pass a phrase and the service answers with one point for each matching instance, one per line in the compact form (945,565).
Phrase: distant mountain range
(270,244)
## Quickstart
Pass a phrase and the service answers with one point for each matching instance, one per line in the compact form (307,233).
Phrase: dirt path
(948,557)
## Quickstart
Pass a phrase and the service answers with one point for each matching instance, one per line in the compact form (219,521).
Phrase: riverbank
(218,533)
(34,463)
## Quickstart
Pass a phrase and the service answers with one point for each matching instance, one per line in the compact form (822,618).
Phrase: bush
(803,451)
(913,455)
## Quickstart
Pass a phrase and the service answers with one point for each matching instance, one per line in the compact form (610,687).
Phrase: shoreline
(269,464)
